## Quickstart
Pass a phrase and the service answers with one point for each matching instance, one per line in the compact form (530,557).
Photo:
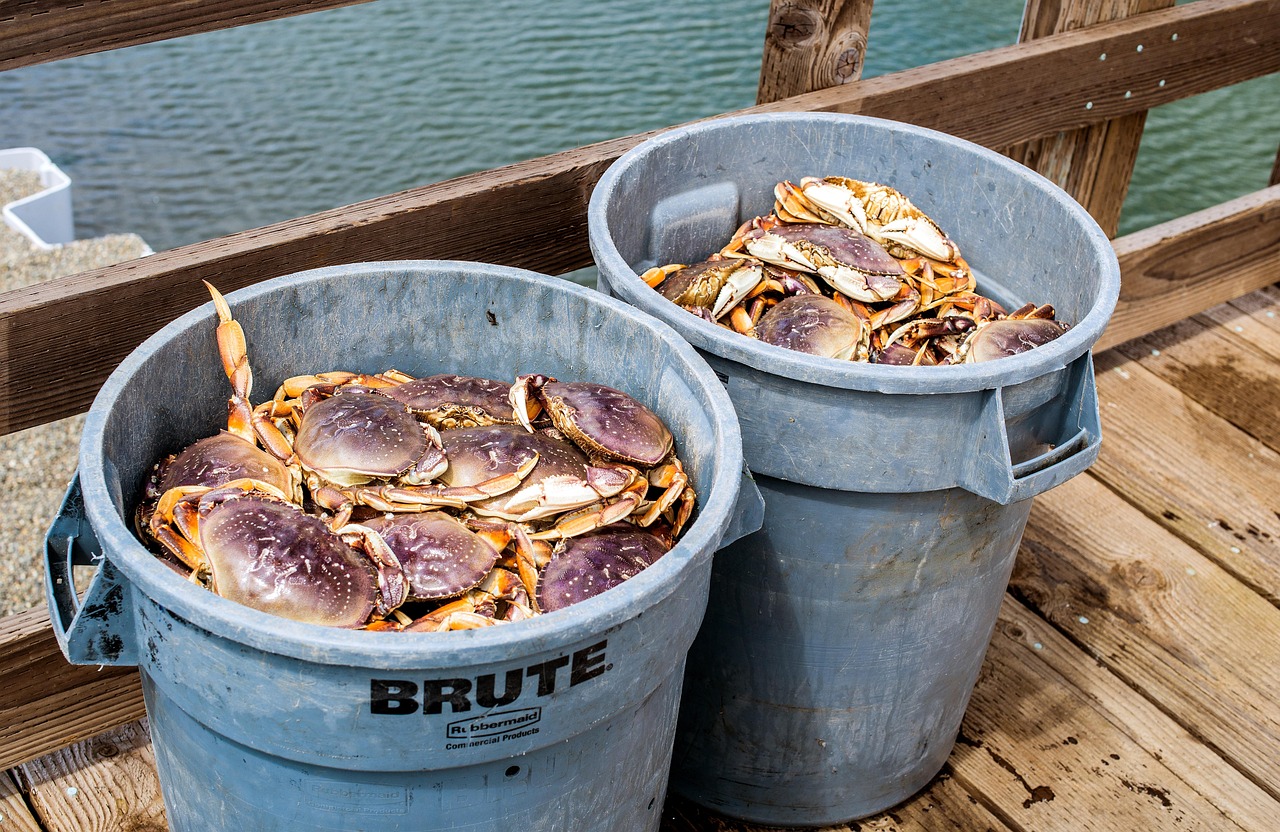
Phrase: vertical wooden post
(1093,164)
(1275,170)
(811,45)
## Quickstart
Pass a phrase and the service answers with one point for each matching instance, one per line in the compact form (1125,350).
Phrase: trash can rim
(329,645)
(844,374)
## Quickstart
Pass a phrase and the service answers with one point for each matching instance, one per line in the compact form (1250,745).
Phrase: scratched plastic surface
(842,641)
(562,722)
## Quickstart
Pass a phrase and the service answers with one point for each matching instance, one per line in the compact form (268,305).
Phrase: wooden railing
(1052,101)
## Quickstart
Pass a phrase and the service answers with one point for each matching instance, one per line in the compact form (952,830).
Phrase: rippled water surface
(189,139)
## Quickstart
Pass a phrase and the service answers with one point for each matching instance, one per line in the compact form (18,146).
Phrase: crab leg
(393,584)
(233,351)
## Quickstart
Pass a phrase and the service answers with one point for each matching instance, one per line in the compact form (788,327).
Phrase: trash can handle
(748,511)
(994,476)
(99,629)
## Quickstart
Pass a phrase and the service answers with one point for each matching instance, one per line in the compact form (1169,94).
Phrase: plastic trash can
(561,722)
(843,640)
(45,217)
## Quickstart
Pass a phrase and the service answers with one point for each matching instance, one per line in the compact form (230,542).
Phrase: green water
(197,137)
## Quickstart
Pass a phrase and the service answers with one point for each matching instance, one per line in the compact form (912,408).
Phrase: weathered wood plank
(46,703)
(1178,268)
(942,806)
(1220,372)
(105,784)
(1253,320)
(812,44)
(1169,621)
(35,31)
(1024,640)
(533,214)
(14,814)
(1094,164)
(1217,491)
(1018,93)
(1038,745)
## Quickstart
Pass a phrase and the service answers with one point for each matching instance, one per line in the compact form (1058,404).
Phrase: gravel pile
(36,464)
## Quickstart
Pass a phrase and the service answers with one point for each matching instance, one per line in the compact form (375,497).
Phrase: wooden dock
(1133,680)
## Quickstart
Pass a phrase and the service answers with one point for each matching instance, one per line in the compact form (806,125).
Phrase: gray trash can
(843,640)
(259,723)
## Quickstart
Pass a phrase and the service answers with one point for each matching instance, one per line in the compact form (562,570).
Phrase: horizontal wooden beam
(59,340)
(1179,268)
(46,703)
(36,31)
(1070,80)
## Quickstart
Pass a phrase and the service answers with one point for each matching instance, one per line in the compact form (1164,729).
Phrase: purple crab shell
(478,454)
(440,556)
(217,460)
(813,324)
(269,555)
(1003,338)
(450,401)
(608,422)
(844,245)
(359,435)
(584,567)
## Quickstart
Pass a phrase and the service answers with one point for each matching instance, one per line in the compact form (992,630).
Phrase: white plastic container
(45,218)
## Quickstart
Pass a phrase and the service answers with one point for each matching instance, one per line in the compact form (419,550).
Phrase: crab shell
(714,285)
(1010,336)
(852,263)
(359,435)
(448,402)
(607,423)
(813,324)
(478,454)
(212,462)
(583,567)
(269,555)
(440,556)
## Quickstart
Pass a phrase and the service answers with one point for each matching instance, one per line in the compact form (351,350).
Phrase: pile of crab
(389,502)
(849,269)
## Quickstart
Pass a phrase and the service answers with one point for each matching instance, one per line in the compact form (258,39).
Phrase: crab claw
(233,351)
(524,399)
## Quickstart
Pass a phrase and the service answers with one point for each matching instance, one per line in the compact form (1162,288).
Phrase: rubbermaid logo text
(499,722)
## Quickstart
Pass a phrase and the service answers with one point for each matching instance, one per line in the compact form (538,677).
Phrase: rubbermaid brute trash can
(260,723)
(843,640)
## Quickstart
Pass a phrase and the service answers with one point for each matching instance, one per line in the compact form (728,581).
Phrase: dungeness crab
(388,502)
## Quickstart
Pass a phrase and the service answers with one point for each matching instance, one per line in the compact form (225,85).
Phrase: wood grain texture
(1211,484)
(942,806)
(46,703)
(36,31)
(1168,620)
(106,784)
(812,44)
(533,214)
(1178,268)
(1108,713)
(1252,320)
(1215,367)
(15,816)
(1094,163)
(1048,756)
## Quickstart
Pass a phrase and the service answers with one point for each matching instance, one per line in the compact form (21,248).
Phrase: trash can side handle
(994,476)
(99,629)
(748,511)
